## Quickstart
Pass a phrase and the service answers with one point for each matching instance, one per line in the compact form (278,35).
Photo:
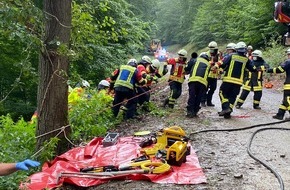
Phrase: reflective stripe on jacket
(234,66)
(126,77)
(177,72)
(199,71)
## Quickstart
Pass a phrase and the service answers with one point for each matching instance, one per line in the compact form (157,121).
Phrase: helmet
(146,58)
(155,64)
(257,53)
(85,83)
(182,53)
(132,62)
(204,55)
(104,83)
(288,51)
(241,47)
(250,48)
(212,45)
(231,46)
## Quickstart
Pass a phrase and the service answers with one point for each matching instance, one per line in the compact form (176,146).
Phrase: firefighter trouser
(175,92)
(211,87)
(143,94)
(131,104)
(195,90)
(228,93)
(285,106)
(251,86)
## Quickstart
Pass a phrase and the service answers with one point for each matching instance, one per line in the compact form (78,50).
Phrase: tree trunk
(52,98)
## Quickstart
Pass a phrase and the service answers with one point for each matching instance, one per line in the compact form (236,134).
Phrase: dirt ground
(222,155)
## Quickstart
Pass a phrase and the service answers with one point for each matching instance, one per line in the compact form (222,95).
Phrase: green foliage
(17,142)
(92,117)
(274,53)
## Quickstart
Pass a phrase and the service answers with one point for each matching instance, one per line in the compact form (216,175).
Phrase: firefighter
(197,83)
(212,76)
(78,93)
(234,67)
(284,67)
(103,85)
(147,68)
(176,78)
(249,52)
(254,81)
(123,80)
(230,48)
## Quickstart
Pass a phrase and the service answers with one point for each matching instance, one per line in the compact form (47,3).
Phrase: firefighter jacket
(126,77)
(199,71)
(215,62)
(147,75)
(234,67)
(177,72)
(261,66)
(285,67)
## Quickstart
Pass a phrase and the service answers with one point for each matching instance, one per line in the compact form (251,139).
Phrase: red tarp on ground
(94,154)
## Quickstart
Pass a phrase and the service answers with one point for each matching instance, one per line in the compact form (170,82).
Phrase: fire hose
(277,175)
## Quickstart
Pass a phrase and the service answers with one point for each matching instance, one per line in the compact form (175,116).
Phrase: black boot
(224,112)
(257,107)
(279,115)
(202,104)
(165,103)
(210,104)
(238,105)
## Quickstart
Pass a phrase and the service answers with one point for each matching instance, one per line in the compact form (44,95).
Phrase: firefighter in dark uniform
(212,76)
(285,106)
(123,81)
(254,81)
(176,78)
(197,82)
(234,67)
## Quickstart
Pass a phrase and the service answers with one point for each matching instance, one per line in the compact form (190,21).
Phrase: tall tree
(53,68)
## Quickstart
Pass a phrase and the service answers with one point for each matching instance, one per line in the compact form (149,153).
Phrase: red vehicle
(282,15)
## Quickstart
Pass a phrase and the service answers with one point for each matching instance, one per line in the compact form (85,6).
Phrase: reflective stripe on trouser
(175,91)
(228,94)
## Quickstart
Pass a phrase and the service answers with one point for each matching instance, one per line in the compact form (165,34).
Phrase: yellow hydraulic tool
(172,141)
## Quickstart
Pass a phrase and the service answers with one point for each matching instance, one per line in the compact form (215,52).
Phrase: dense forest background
(107,32)
(104,34)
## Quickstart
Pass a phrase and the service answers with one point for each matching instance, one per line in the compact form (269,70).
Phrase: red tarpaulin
(94,154)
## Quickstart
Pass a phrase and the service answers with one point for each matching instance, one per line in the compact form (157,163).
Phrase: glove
(24,165)
(149,77)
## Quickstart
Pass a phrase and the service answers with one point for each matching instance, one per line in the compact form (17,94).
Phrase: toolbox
(110,139)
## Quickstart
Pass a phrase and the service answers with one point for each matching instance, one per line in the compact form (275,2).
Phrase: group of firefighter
(238,67)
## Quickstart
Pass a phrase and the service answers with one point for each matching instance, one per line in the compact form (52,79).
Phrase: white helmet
(104,83)
(231,46)
(155,64)
(241,47)
(182,53)
(257,53)
(85,83)
(250,47)
(146,58)
(212,45)
(288,51)
(132,62)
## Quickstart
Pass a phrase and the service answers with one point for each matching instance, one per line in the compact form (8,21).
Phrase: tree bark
(52,98)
